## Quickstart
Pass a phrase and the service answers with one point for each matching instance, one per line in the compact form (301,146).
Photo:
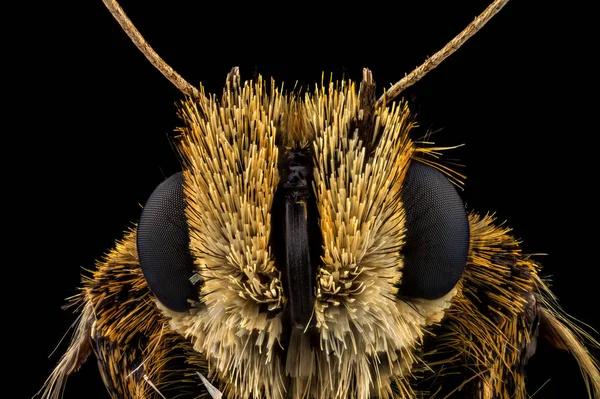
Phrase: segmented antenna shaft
(118,13)
(442,54)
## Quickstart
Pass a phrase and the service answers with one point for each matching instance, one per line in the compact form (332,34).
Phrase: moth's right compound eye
(163,246)
(437,234)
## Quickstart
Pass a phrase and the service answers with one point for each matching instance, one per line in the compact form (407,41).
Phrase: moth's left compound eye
(437,234)
(163,246)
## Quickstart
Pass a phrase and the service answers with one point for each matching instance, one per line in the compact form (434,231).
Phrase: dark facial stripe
(297,211)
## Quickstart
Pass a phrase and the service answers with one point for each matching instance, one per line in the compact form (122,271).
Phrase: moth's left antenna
(137,38)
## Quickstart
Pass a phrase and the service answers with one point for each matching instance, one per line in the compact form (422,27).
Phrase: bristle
(430,156)
(567,335)
(78,351)
(212,390)
(149,382)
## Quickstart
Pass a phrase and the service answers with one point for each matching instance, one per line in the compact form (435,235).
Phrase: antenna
(137,38)
(442,54)
(389,95)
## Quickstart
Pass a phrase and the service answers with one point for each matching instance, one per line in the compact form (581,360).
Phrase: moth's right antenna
(442,54)
(137,38)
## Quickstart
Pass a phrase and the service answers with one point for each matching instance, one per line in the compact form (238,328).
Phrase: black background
(92,139)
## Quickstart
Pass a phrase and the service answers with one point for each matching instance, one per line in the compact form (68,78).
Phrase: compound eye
(437,234)
(163,246)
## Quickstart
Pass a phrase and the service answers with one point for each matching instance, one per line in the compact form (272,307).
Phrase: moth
(311,249)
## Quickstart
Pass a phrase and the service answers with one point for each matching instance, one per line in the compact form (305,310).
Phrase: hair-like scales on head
(222,320)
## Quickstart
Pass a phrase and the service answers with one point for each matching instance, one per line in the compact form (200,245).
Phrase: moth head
(308,212)
(309,241)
